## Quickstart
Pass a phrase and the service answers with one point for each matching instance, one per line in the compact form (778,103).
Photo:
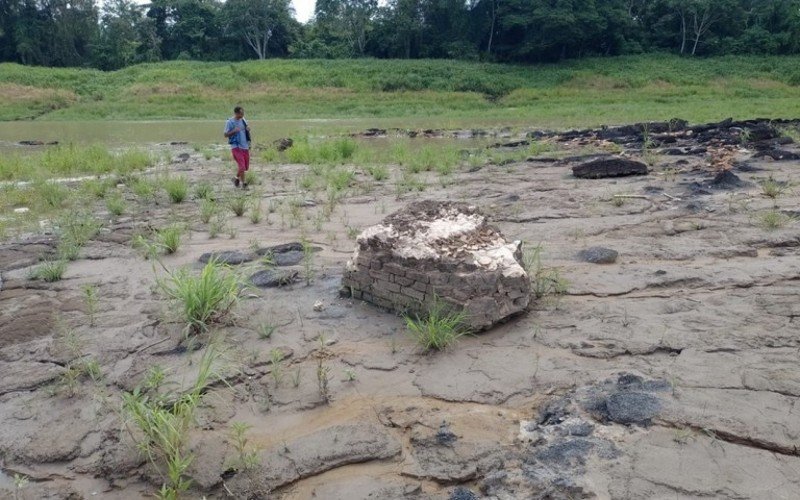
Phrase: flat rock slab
(314,454)
(289,258)
(229,257)
(273,277)
(609,167)
(598,255)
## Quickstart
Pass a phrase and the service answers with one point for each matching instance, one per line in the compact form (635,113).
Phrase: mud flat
(667,367)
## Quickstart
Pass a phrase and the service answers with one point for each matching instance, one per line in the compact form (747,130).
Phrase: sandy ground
(671,373)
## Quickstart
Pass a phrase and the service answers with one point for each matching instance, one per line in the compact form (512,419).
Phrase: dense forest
(118,33)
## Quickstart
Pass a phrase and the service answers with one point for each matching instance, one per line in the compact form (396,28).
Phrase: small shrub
(246,458)
(50,271)
(177,188)
(439,328)
(204,299)
(265,330)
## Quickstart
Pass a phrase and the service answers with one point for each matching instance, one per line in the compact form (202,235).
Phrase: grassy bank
(583,92)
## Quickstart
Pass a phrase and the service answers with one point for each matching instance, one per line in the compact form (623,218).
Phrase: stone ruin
(439,251)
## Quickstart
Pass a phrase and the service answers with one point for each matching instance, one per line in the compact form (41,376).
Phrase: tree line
(119,33)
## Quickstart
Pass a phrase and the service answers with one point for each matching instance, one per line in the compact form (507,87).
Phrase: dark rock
(31,143)
(282,248)
(229,257)
(579,429)
(611,167)
(178,143)
(632,408)
(512,144)
(288,258)
(697,151)
(444,435)
(673,151)
(570,453)
(273,277)
(598,255)
(181,158)
(283,144)
(462,493)
(777,155)
(762,132)
(374,132)
(553,412)
(728,180)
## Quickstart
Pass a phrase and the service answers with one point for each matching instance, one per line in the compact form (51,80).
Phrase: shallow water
(121,133)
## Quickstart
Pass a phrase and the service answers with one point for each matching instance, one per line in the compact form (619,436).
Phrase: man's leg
(240,165)
(246,157)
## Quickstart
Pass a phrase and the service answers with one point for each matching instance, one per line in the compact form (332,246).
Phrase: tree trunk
(491,28)
(683,32)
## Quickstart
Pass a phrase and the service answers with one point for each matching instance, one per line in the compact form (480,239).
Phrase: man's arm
(230,130)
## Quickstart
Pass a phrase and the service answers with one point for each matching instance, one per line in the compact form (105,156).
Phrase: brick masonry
(378,275)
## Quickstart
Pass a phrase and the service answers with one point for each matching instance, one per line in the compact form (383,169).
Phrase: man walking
(238,134)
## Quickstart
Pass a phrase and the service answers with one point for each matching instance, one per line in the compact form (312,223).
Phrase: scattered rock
(444,435)
(229,257)
(290,258)
(439,250)
(181,158)
(610,167)
(598,255)
(762,132)
(462,493)
(273,278)
(319,306)
(283,143)
(728,180)
(777,155)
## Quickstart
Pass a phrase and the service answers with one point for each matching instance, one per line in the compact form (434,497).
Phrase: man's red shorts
(242,157)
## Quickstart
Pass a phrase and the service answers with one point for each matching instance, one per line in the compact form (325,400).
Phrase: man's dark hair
(238,109)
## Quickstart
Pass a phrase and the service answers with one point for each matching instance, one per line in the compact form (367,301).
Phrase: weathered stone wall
(484,279)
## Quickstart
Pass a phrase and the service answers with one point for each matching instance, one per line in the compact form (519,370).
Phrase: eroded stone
(439,250)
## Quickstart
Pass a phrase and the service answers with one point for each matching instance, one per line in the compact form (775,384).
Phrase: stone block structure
(439,250)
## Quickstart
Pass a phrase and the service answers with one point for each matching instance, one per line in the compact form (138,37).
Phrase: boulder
(609,167)
(598,255)
(439,251)
(229,257)
(273,277)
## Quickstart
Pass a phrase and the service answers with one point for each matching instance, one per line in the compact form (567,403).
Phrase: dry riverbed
(669,372)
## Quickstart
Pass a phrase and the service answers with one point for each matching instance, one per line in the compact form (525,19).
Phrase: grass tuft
(205,299)
(177,188)
(439,328)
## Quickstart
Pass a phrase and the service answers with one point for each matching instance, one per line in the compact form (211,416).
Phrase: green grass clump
(115,205)
(51,194)
(143,188)
(238,204)
(378,172)
(772,188)
(169,238)
(208,208)
(164,422)
(203,191)
(544,281)
(205,299)
(72,160)
(251,178)
(177,188)
(774,219)
(50,271)
(441,327)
